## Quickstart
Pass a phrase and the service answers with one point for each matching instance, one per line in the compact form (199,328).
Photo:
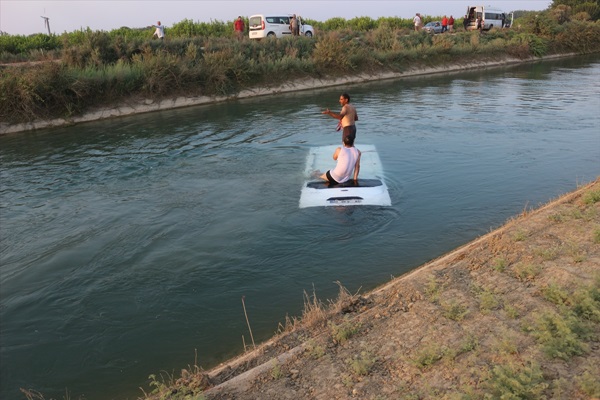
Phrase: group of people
(238,27)
(347,156)
(447,23)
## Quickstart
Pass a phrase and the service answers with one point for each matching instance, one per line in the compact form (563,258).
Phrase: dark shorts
(349,130)
(331,180)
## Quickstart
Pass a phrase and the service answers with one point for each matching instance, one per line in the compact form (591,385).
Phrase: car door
(285,26)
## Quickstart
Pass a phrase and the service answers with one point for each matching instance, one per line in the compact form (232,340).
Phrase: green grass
(591,197)
(470,343)
(188,387)
(548,253)
(526,271)
(586,302)
(428,355)
(276,371)
(315,350)
(575,251)
(488,301)
(561,336)
(362,364)
(433,290)
(596,236)
(500,264)
(344,331)
(589,383)
(555,294)
(506,344)
(454,311)
(517,381)
(520,235)
(511,311)
(558,217)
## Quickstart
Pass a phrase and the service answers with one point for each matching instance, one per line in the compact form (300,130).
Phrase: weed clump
(454,311)
(341,333)
(560,336)
(526,271)
(517,381)
(428,356)
(361,364)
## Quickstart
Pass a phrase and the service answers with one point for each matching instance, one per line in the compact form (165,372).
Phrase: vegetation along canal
(127,245)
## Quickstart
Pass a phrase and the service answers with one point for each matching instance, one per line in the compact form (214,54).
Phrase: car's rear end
(256,27)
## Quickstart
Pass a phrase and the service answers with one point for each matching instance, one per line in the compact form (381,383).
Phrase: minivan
(490,17)
(261,26)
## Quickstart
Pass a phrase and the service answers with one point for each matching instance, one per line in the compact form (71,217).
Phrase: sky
(23,17)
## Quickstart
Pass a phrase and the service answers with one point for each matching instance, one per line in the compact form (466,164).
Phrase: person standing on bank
(238,26)
(347,117)
(479,23)
(160,30)
(451,24)
(348,164)
(294,27)
(418,22)
(444,24)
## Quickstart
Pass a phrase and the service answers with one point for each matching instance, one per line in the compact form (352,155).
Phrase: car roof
(272,15)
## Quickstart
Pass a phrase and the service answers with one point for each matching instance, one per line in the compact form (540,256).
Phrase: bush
(334,24)
(332,53)
(560,336)
(514,381)
(96,48)
(188,28)
(38,91)
(579,37)
(362,24)
(592,9)
(18,44)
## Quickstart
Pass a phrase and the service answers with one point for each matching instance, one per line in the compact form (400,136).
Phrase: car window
(272,20)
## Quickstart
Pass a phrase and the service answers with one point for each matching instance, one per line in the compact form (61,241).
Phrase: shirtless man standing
(347,116)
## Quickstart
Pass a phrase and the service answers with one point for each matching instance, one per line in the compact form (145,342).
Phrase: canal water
(127,245)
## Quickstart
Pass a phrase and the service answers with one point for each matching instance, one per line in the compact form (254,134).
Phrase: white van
(275,25)
(490,17)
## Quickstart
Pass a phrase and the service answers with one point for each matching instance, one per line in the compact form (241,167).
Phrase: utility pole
(47,24)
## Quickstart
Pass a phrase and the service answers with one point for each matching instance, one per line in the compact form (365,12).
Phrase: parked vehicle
(261,26)
(490,17)
(433,27)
